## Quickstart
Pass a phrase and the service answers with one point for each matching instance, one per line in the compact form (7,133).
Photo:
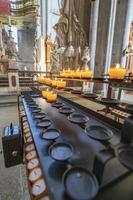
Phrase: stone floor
(13,184)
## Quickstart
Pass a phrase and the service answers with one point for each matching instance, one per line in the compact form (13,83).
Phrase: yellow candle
(117,72)
(62,73)
(77,73)
(86,73)
(67,73)
(54,83)
(45,92)
(61,84)
(72,74)
(117,66)
(51,97)
(41,79)
(48,81)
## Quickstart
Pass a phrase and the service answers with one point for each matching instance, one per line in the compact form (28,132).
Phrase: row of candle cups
(53,82)
(115,72)
(49,95)
(76,73)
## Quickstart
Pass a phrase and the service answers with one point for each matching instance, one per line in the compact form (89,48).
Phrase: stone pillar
(111,26)
(44,16)
(93,37)
(93,32)
(110,35)
(44,30)
(102,36)
(128,20)
(99,52)
(118,45)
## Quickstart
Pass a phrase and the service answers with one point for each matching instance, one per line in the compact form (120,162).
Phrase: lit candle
(77,73)
(61,84)
(72,73)
(117,72)
(86,73)
(67,73)
(54,83)
(45,92)
(51,97)
(117,66)
(48,81)
(62,73)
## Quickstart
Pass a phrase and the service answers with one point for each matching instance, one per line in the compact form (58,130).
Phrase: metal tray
(99,132)
(78,118)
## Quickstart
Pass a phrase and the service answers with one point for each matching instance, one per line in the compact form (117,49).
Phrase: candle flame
(117,65)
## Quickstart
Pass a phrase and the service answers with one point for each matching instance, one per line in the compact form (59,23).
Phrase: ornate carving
(11,50)
(2,52)
(86,57)
(55,58)
(70,34)
(48,46)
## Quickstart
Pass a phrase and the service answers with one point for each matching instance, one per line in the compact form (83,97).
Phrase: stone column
(121,32)
(110,35)
(101,41)
(102,36)
(93,32)
(128,20)
(44,28)
(93,37)
(44,16)
(110,41)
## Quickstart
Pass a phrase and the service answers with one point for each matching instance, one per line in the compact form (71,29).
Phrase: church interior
(66,99)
